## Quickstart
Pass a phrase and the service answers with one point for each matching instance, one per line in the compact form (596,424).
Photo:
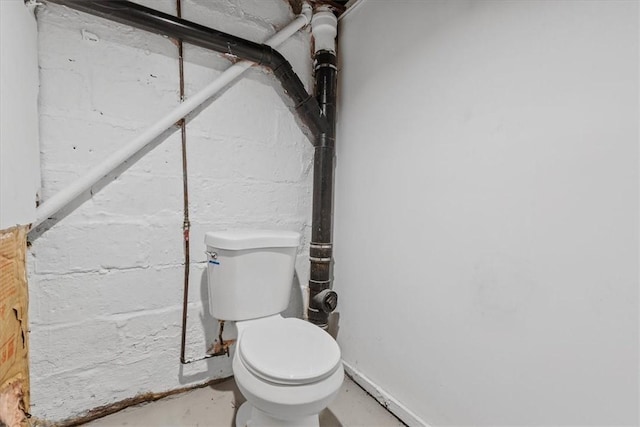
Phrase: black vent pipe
(322,300)
(317,115)
(148,19)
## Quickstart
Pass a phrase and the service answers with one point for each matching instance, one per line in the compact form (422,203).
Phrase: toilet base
(249,416)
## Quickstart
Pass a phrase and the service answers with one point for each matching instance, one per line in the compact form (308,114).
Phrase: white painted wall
(19,152)
(106,280)
(487,209)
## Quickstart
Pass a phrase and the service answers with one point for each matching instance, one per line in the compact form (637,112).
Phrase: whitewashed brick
(92,247)
(250,198)
(106,280)
(251,117)
(211,157)
(78,143)
(275,13)
(165,237)
(164,159)
(66,87)
(166,6)
(137,195)
(226,16)
(124,374)
(78,346)
(76,298)
(54,19)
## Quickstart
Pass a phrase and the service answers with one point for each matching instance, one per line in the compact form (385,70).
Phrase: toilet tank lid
(252,239)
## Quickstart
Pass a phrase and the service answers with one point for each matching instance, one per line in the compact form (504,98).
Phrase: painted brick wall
(106,279)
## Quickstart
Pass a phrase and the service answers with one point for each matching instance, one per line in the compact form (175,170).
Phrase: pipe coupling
(326,301)
(324,27)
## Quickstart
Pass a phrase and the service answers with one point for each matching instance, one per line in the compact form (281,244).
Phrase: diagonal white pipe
(85,182)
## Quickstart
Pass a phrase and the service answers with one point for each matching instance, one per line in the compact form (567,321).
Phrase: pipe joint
(320,253)
(316,286)
(325,141)
(312,117)
(306,12)
(318,318)
(275,60)
(324,27)
(315,245)
(325,59)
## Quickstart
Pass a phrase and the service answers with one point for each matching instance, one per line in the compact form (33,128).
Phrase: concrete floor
(216,405)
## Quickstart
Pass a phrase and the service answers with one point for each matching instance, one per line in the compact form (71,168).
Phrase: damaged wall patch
(14,346)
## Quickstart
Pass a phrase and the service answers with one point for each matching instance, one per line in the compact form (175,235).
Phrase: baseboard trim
(384,398)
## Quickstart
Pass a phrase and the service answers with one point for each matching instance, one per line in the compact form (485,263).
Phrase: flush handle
(212,257)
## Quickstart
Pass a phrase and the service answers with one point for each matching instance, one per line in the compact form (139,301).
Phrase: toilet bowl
(288,369)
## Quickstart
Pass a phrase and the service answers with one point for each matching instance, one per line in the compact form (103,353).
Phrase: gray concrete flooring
(216,405)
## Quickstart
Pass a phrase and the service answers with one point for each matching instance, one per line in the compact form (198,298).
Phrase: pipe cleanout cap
(324,26)
(326,300)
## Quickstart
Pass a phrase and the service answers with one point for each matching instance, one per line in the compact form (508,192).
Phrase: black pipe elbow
(152,20)
(305,104)
(273,59)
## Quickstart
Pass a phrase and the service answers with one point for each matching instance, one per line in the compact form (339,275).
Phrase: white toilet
(288,369)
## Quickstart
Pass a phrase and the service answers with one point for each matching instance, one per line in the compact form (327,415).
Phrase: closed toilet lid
(289,351)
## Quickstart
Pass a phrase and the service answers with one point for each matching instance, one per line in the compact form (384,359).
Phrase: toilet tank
(249,272)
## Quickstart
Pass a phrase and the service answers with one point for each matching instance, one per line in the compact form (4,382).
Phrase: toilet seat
(289,351)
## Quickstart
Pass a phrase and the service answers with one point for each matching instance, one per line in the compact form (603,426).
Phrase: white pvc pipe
(324,27)
(85,182)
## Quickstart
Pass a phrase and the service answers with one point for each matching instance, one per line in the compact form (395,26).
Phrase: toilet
(288,369)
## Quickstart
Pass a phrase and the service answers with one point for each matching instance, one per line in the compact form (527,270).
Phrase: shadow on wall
(210,327)
(296,304)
